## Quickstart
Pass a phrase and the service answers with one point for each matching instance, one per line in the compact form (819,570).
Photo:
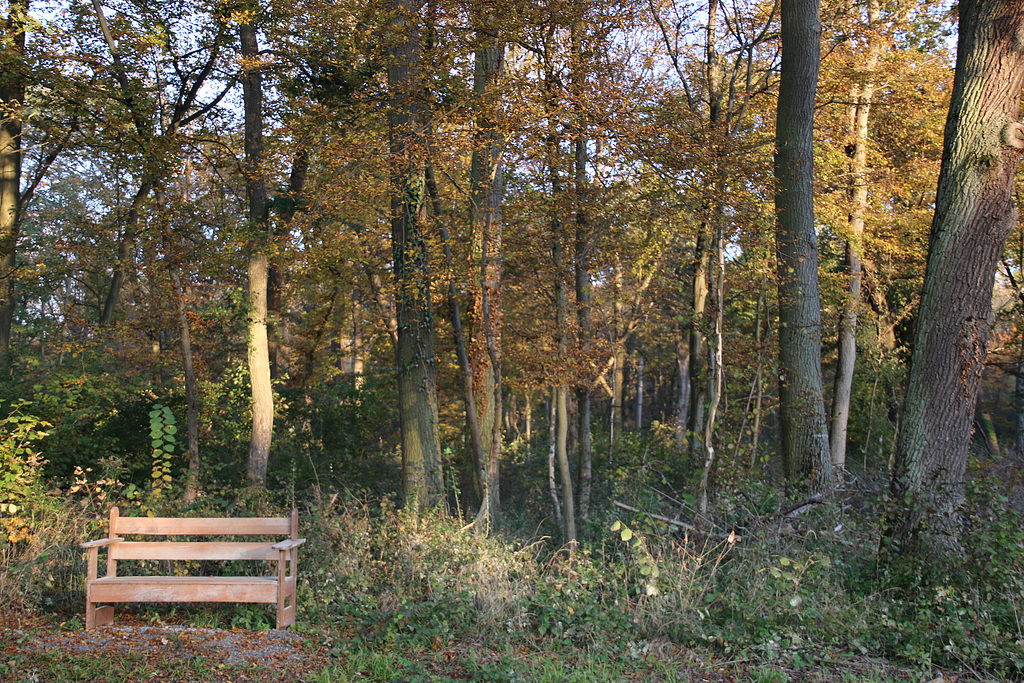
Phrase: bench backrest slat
(175,550)
(171,526)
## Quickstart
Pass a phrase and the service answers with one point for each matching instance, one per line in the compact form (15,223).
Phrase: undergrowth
(785,591)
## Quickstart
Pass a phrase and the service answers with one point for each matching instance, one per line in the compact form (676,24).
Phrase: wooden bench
(279,589)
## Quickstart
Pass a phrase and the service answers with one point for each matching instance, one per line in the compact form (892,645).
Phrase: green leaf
(616,526)
(626,534)
(171,429)
(785,561)
(169,447)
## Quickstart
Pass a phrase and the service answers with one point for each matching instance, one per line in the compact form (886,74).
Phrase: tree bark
(804,438)
(256,189)
(12,97)
(974,215)
(422,481)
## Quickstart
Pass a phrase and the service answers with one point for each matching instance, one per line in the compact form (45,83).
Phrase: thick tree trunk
(805,448)
(974,215)
(12,97)
(256,189)
(860,110)
(422,481)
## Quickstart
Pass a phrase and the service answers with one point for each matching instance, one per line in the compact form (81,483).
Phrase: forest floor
(40,648)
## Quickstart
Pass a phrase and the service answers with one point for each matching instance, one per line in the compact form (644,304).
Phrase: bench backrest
(278,527)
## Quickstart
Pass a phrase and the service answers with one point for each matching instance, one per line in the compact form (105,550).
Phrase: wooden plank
(182,550)
(201,526)
(104,616)
(184,589)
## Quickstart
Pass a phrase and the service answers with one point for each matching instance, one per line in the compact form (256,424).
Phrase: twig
(660,518)
(816,499)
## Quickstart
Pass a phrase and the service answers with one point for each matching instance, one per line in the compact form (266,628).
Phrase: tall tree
(487,190)
(861,95)
(974,215)
(417,384)
(12,97)
(802,410)
(256,190)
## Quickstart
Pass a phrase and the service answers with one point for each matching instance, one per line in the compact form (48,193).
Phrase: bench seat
(187,589)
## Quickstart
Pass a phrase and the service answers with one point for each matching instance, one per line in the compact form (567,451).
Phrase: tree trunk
(860,110)
(698,307)
(256,189)
(487,190)
(561,450)
(275,276)
(1018,407)
(422,481)
(191,400)
(12,97)
(581,260)
(618,355)
(804,438)
(974,215)
(683,388)
(552,449)
(716,370)
(638,413)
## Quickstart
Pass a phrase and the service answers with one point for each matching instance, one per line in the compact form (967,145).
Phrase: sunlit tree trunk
(422,481)
(974,215)
(860,108)
(256,189)
(805,448)
(487,189)
(12,97)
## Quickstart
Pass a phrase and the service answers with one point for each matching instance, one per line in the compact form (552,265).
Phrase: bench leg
(98,616)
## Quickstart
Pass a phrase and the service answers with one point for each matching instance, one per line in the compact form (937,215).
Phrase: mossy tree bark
(974,215)
(422,481)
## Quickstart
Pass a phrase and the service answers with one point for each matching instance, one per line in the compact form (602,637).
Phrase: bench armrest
(100,543)
(289,544)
